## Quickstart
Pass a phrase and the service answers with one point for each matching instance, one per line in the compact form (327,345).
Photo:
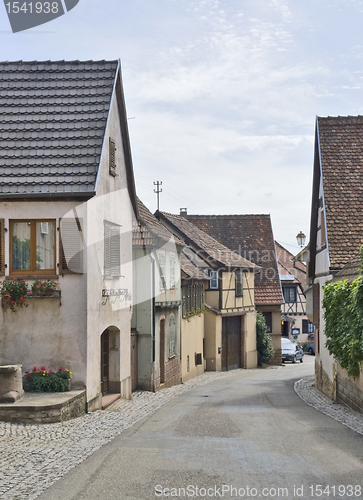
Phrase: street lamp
(300,238)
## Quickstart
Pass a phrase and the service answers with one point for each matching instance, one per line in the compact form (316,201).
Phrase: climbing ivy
(265,351)
(343,310)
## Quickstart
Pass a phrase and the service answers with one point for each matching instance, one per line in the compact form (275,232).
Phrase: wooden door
(231,342)
(162,351)
(105,361)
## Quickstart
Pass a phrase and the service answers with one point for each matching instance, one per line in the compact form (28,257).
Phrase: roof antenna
(158,191)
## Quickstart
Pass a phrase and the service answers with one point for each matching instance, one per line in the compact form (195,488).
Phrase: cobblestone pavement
(305,388)
(33,457)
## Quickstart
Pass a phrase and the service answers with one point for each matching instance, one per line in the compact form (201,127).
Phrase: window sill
(32,277)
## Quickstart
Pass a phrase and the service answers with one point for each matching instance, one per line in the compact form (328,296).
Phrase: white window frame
(214,280)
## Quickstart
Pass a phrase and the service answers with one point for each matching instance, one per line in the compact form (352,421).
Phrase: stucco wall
(250,354)
(192,343)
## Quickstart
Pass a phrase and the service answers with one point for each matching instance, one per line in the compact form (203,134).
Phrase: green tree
(265,351)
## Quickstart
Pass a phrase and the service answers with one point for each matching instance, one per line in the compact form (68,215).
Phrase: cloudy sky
(221,95)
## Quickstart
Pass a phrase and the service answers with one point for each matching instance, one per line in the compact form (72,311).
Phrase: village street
(246,430)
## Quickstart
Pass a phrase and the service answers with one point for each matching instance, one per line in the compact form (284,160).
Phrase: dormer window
(112,157)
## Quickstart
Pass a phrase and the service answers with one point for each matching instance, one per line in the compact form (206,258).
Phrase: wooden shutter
(2,248)
(112,157)
(71,246)
(112,250)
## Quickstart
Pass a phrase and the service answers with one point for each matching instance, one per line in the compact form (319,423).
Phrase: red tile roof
(148,230)
(250,236)
(288,265)
(341,156)
(204,241)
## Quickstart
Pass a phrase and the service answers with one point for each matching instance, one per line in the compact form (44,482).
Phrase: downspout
(153,318)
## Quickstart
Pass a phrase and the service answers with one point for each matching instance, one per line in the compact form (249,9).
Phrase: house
(156,318)
(194,283)
(336,226)
(251,237)
(67,201)
(229,310)
(294,322)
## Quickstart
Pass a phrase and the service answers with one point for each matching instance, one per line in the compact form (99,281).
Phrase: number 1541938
(32,7)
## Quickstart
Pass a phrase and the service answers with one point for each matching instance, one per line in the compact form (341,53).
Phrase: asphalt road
(248,436)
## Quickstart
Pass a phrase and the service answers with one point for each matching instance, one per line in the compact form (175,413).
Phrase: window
(307,326)
(239,283)
(213,276)
(112,157)
(172,336)
(161,258)
(112,250)
(193,298)
(289,293)
(172,270)
(32,251)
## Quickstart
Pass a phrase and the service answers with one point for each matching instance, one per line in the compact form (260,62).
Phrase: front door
(105,361)
(231,342)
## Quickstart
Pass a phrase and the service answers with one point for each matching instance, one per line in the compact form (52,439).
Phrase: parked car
(310,348)
(291,351)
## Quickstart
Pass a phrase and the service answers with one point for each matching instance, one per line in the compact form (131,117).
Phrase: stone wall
(323,382)
(349,393)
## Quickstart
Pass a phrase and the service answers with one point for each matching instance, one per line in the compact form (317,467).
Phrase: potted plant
(43,288)
(43,380)
(14,292)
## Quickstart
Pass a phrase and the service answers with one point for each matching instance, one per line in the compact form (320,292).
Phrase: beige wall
(192,343)
(230,302)
(250,354)
(213,340)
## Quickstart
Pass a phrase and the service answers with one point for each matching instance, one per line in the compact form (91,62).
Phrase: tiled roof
(191,269)
(341,155)
(350,271)
(211,246)
(288,265)
(149,231)
(251,237)
(52,123)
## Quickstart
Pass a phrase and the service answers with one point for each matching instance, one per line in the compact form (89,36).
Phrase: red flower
(43,368)
(35,369)
(60,369)
(50,371)
(24,281)
(30,293)
(38,286)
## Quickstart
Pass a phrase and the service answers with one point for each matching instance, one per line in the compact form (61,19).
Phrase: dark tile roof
(52,123)
(191,269)
(218,252)
(341,155)
(251,237)
(350,271)
(148,231)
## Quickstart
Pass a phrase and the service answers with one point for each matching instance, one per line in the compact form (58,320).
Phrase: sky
(221,95)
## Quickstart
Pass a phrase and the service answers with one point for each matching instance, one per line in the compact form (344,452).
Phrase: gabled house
(230,313)
(67,201)
(336,226)
(156,318)
(251,237)
(294,322)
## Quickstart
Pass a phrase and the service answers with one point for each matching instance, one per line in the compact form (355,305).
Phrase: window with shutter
(112,251)
(32,251)
(71,246)
(2,248)
(112,157)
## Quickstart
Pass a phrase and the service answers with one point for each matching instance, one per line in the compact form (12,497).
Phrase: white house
(67,201)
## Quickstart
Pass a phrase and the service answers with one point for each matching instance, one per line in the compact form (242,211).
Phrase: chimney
(183,211)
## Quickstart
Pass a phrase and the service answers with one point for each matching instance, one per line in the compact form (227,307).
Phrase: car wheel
(294,359)
(310,351)
(301,360)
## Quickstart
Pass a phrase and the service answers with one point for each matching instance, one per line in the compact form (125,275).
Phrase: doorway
(105,362)
(162,351)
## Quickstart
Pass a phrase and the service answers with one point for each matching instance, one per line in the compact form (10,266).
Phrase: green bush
(343,311)
(265,351)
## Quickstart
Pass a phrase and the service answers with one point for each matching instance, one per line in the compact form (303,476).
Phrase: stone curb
(305,389)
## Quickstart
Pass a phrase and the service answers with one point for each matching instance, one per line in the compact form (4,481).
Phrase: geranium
(48,381)
(14,292)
